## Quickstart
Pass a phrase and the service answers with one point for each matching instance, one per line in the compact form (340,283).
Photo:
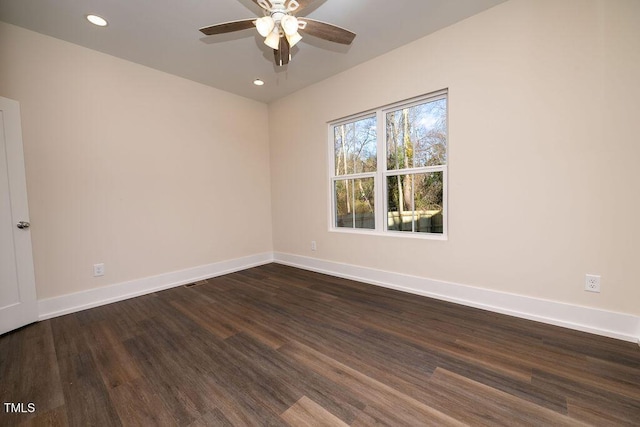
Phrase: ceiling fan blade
(228,27)
(282,55)
(327,31)
(285,50)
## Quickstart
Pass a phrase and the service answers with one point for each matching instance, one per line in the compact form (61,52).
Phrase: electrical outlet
(98,270)
(313,245)
(592,283)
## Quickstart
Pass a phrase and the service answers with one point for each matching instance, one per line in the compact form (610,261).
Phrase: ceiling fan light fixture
(289,24)
(293,39)
(281,29)
(265,25)
(273,39)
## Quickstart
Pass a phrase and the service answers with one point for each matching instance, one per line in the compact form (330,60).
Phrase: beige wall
(144,171)
(544,128)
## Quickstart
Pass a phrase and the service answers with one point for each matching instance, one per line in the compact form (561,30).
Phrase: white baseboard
(71,303)
(601,322)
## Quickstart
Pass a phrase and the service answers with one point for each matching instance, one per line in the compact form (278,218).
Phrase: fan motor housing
(279,6)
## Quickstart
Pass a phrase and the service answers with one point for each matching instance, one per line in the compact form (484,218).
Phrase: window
(389,169)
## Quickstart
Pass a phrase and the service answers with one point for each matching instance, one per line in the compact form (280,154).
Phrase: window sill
(400,234)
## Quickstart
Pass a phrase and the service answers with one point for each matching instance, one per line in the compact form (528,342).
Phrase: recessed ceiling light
(97,20)
(258,82)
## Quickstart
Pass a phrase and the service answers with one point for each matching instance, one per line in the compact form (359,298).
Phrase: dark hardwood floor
(276,345)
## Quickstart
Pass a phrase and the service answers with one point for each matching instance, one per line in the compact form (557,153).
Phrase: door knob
(23,224)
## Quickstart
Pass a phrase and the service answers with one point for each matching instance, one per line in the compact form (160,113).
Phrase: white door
(18,306)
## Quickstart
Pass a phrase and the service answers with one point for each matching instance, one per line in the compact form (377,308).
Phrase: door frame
(25,311)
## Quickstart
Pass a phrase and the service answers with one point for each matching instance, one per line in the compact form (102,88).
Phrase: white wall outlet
(314,247)
(98,270)
(592,283)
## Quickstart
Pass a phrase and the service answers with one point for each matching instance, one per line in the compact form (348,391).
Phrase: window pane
(415,202)
(417,136)
(400,203)
(428,202)
(355,203)
(344,200)
(364,203)
(355,147)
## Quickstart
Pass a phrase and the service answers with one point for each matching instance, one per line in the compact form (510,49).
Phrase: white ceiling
(163,34)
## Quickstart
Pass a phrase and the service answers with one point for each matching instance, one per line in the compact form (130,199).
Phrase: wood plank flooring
(275,345)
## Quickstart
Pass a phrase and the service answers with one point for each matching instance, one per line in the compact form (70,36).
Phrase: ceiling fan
(280,27)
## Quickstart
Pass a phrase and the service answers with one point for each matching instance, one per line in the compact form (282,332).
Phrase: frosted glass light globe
(265,25)
(273,39)
(289,25)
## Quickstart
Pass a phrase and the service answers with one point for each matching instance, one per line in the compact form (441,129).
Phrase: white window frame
(381,174)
